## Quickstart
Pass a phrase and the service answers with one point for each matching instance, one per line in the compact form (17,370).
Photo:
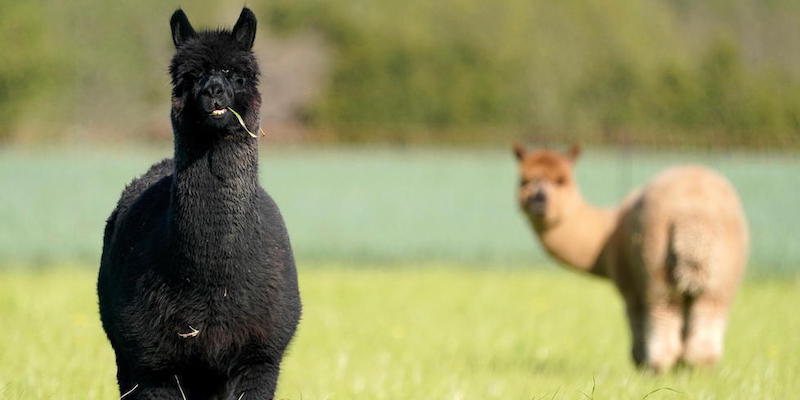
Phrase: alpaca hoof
(701,358)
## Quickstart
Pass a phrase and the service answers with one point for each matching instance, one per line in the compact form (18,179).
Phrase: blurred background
(390,124)
(390,121)
(656,72)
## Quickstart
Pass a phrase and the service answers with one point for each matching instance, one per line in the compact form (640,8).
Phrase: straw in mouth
(241,122)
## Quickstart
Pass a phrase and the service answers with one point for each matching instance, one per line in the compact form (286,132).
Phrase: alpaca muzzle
(537,204)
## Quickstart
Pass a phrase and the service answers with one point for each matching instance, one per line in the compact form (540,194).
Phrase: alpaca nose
(537,204)
(214,88)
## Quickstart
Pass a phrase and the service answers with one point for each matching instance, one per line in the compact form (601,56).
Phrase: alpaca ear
(245,29)
(519,151)
(574,152)
(181,28)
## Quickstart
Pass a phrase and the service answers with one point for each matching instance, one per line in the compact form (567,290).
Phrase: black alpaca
(197,284)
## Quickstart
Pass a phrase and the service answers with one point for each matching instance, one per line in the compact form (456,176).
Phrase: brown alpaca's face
(546,185)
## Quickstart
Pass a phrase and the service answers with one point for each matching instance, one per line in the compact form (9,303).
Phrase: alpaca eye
(523,182)
(239,81)
(561,181)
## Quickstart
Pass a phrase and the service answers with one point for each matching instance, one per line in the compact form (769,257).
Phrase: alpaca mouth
(218,112)
(537,208)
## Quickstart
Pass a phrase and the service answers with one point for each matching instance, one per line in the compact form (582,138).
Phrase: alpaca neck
(213,195)
(579,239)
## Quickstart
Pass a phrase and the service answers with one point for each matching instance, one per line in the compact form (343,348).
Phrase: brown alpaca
(675,249)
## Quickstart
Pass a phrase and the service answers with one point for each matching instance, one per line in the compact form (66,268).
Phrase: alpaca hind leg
(705,331)
(663,341)
(656,334)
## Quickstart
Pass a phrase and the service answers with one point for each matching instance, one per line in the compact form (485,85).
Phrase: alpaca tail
(689,255)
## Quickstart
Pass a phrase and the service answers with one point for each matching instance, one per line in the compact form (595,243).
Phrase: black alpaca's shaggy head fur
(212,71)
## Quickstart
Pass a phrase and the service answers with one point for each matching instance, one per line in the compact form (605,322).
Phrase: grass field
(374,205)
(433,332)
(420,279)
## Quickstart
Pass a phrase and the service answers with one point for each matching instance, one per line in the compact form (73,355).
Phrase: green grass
(376,205)
(425,332)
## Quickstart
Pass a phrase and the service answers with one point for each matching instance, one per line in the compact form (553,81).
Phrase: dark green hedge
(658,72)
(703,72)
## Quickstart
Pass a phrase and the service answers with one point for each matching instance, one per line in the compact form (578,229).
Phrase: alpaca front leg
(705,331)
(158,392)
(636,322)
(259,383)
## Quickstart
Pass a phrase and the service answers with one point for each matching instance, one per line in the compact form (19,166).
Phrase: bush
(657,72)
(587,70)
